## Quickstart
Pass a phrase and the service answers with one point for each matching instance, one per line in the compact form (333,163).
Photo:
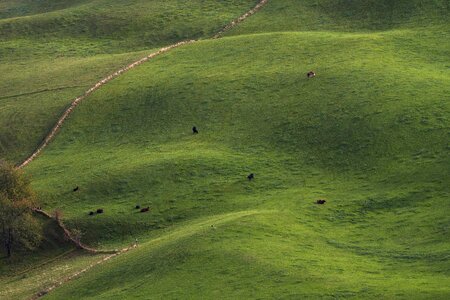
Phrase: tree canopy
(18,227)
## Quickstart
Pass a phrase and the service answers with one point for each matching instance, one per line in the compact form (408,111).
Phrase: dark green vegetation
(369,134)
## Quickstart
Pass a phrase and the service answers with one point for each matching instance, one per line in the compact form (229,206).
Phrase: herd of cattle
(250,177)
(138,207)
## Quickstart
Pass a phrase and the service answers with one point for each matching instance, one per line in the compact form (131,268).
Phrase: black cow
(145,209)
(251,176)
(194,130)
(76,189)
(321,201)
(91,213)
(138,206)
(100,211)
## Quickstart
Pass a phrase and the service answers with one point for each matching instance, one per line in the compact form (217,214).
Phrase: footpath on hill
(53,132)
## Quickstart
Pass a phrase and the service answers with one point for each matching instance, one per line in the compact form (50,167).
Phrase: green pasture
(369,134)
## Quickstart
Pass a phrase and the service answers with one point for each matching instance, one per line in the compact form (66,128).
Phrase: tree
(18,227)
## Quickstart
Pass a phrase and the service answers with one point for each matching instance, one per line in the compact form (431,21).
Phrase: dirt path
(241,19)
(51,135)
(77,274)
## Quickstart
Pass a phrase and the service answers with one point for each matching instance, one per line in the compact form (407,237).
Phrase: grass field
(369,134)
(52,51)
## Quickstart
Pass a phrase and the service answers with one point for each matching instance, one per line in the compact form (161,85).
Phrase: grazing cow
(311,74)
(251,176)
(100,210)
(91,213)
(321,201)
(145,209)
(194,130)
(76,189)
(138,206)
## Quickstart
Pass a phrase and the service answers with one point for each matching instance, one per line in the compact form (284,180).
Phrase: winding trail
(53,132)
(51,135)
(76,274)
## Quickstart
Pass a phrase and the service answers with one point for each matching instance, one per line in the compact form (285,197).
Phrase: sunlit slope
(369,134)
(52,51)
(262,254)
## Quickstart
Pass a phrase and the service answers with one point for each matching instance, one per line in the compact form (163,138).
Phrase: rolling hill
(369,134)
(52,51)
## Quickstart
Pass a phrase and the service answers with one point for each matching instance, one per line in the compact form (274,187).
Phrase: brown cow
(145,209)
(311,74)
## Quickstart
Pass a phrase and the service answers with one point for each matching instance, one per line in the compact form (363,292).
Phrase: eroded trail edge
(51,135)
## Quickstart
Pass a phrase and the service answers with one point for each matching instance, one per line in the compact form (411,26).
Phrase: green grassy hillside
(369,134)
(52,51)
(257,112)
